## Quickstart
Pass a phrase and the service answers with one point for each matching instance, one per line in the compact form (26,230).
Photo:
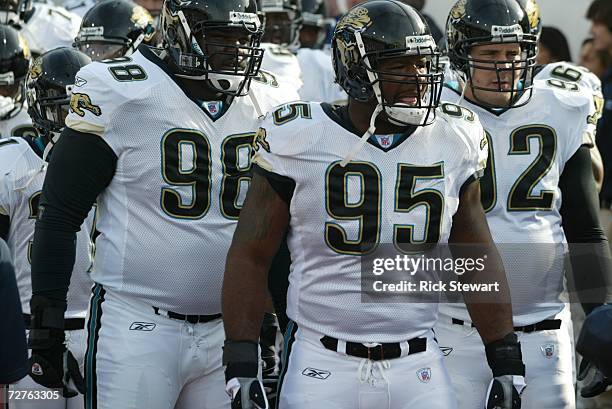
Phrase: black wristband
(47,313)
(504,356)
(241,359)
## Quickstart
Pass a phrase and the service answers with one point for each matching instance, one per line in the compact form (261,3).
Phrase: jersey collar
(339,114)
(150,54)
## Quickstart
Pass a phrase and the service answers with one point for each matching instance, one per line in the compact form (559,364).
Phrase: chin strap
(52,141)
(253,99)
(462,83)
(379,108)
(364,139)
(132,47)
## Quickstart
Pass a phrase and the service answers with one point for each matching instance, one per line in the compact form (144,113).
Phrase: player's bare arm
(492,317)
(261,227)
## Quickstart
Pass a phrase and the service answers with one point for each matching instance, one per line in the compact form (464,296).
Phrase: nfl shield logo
(37,369)
(424,374)
(548,350)
(385,141)
(213,108)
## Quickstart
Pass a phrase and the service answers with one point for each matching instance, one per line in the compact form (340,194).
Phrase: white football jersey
(529,147)
(328,231)
(566,71)
(283,64)
(319,78)
(50,27)
(22,173)
(19,125)
(168,216)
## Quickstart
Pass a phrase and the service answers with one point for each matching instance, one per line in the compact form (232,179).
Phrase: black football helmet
(14,63)
(49,88)
(14,12)
(283,20)
(214,40)
(382,29)
(114,28)
(314,25)
(474,22)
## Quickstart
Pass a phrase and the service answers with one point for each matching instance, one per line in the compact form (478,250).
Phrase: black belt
(379,352)
(70,324)
(538,326)
(192,319)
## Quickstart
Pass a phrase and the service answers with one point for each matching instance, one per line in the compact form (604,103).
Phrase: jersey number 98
(187,161)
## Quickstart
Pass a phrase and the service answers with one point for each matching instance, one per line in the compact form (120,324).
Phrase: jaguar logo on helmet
(357,19)
(36,68)
(141,17)
(347,51)
(80,102)
(260,140)
(458,10)
(533,12)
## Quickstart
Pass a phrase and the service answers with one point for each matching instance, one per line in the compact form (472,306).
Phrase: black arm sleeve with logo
(589,249)
(82,166)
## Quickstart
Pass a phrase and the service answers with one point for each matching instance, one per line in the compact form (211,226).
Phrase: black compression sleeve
(82,165)
(5,224)
(589,250)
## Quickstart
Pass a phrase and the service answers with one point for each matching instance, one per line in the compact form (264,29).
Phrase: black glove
(269,356)
(246,391)
(51,364)
(593,381)
(506,361)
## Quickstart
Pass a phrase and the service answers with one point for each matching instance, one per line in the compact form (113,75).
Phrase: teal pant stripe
(93,329)
(287,345)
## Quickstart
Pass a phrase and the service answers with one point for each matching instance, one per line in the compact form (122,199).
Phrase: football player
(283,19)
(44,26)
(14,63)
(314,27)
(395,166)
(114,28)
(317,73)
(538,193)
(23,168)
(162,139)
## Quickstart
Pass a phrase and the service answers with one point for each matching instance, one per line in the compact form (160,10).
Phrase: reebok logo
(142,326)
(316,373)
(446,351)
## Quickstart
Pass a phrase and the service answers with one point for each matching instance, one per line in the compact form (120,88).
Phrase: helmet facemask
(49,108)
(514,77)
(419,105)
(226,54)
(282,28)
(313,27)
(12,95)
